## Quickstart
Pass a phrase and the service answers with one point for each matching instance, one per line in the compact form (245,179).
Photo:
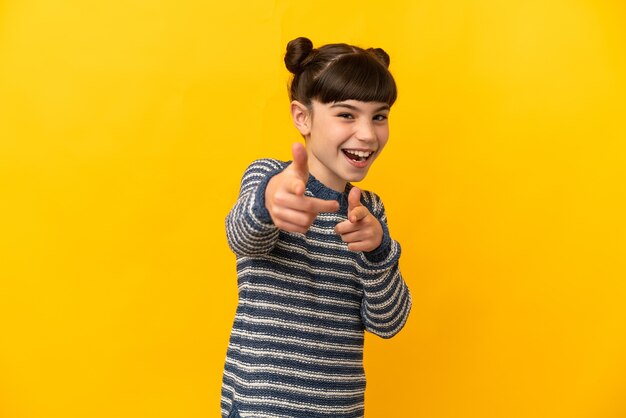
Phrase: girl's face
(343,140)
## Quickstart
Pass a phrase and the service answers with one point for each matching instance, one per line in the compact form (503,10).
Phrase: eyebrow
(356,109)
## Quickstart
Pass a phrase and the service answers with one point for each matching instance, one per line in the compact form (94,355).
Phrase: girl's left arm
(386,297)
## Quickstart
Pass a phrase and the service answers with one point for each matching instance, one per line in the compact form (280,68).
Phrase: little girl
(316,264)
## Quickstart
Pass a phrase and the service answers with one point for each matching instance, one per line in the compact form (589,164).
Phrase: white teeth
(363,154)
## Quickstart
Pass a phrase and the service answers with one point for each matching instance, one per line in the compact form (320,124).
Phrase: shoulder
(259,171)
(265,165)
(262,167)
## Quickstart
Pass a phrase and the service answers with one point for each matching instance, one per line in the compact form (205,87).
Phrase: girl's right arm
(272,198)
(249,227)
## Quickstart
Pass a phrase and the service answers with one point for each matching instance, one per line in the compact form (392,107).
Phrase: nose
(365,131)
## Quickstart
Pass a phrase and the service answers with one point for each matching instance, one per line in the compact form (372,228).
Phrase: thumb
(354,198)
(356,211)
(299,164)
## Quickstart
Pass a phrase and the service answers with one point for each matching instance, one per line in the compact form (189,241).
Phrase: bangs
(355,77)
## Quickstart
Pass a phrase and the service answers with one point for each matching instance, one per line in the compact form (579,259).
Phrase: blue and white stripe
(296,347)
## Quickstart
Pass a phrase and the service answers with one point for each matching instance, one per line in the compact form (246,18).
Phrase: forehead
(354,105)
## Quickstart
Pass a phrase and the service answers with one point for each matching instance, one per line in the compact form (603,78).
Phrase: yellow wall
(125,127)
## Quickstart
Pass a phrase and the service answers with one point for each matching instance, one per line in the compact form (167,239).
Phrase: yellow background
(125,127)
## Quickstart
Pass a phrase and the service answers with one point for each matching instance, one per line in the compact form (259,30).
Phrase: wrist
(381,251)
(263,197)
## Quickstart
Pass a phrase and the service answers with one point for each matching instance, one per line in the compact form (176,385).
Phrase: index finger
(320,205)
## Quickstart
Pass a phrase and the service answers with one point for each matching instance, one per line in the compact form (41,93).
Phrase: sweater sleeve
(249,227)
(386,298)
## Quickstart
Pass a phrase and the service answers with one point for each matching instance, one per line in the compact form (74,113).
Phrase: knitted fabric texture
(296,346)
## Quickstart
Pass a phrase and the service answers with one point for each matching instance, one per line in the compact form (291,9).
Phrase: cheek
(383,136)
(337,133)
(329,131)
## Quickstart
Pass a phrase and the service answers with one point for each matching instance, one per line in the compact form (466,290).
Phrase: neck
(332,182)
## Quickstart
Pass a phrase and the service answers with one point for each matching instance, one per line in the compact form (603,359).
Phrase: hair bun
(297,51)
(380,54)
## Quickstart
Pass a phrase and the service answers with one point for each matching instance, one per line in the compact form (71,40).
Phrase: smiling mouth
(359,156)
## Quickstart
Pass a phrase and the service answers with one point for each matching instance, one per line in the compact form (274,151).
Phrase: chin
(355,179)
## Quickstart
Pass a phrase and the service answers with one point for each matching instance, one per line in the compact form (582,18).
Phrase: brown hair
(338,72)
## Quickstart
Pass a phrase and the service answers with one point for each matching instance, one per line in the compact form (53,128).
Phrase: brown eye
(380,118)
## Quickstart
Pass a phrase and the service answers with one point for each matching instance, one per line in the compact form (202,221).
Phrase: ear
(301,116)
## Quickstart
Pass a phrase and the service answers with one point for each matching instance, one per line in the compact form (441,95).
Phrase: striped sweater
(296,346)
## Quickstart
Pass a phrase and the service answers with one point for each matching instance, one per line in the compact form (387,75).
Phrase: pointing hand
(289,208)
(362,231)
